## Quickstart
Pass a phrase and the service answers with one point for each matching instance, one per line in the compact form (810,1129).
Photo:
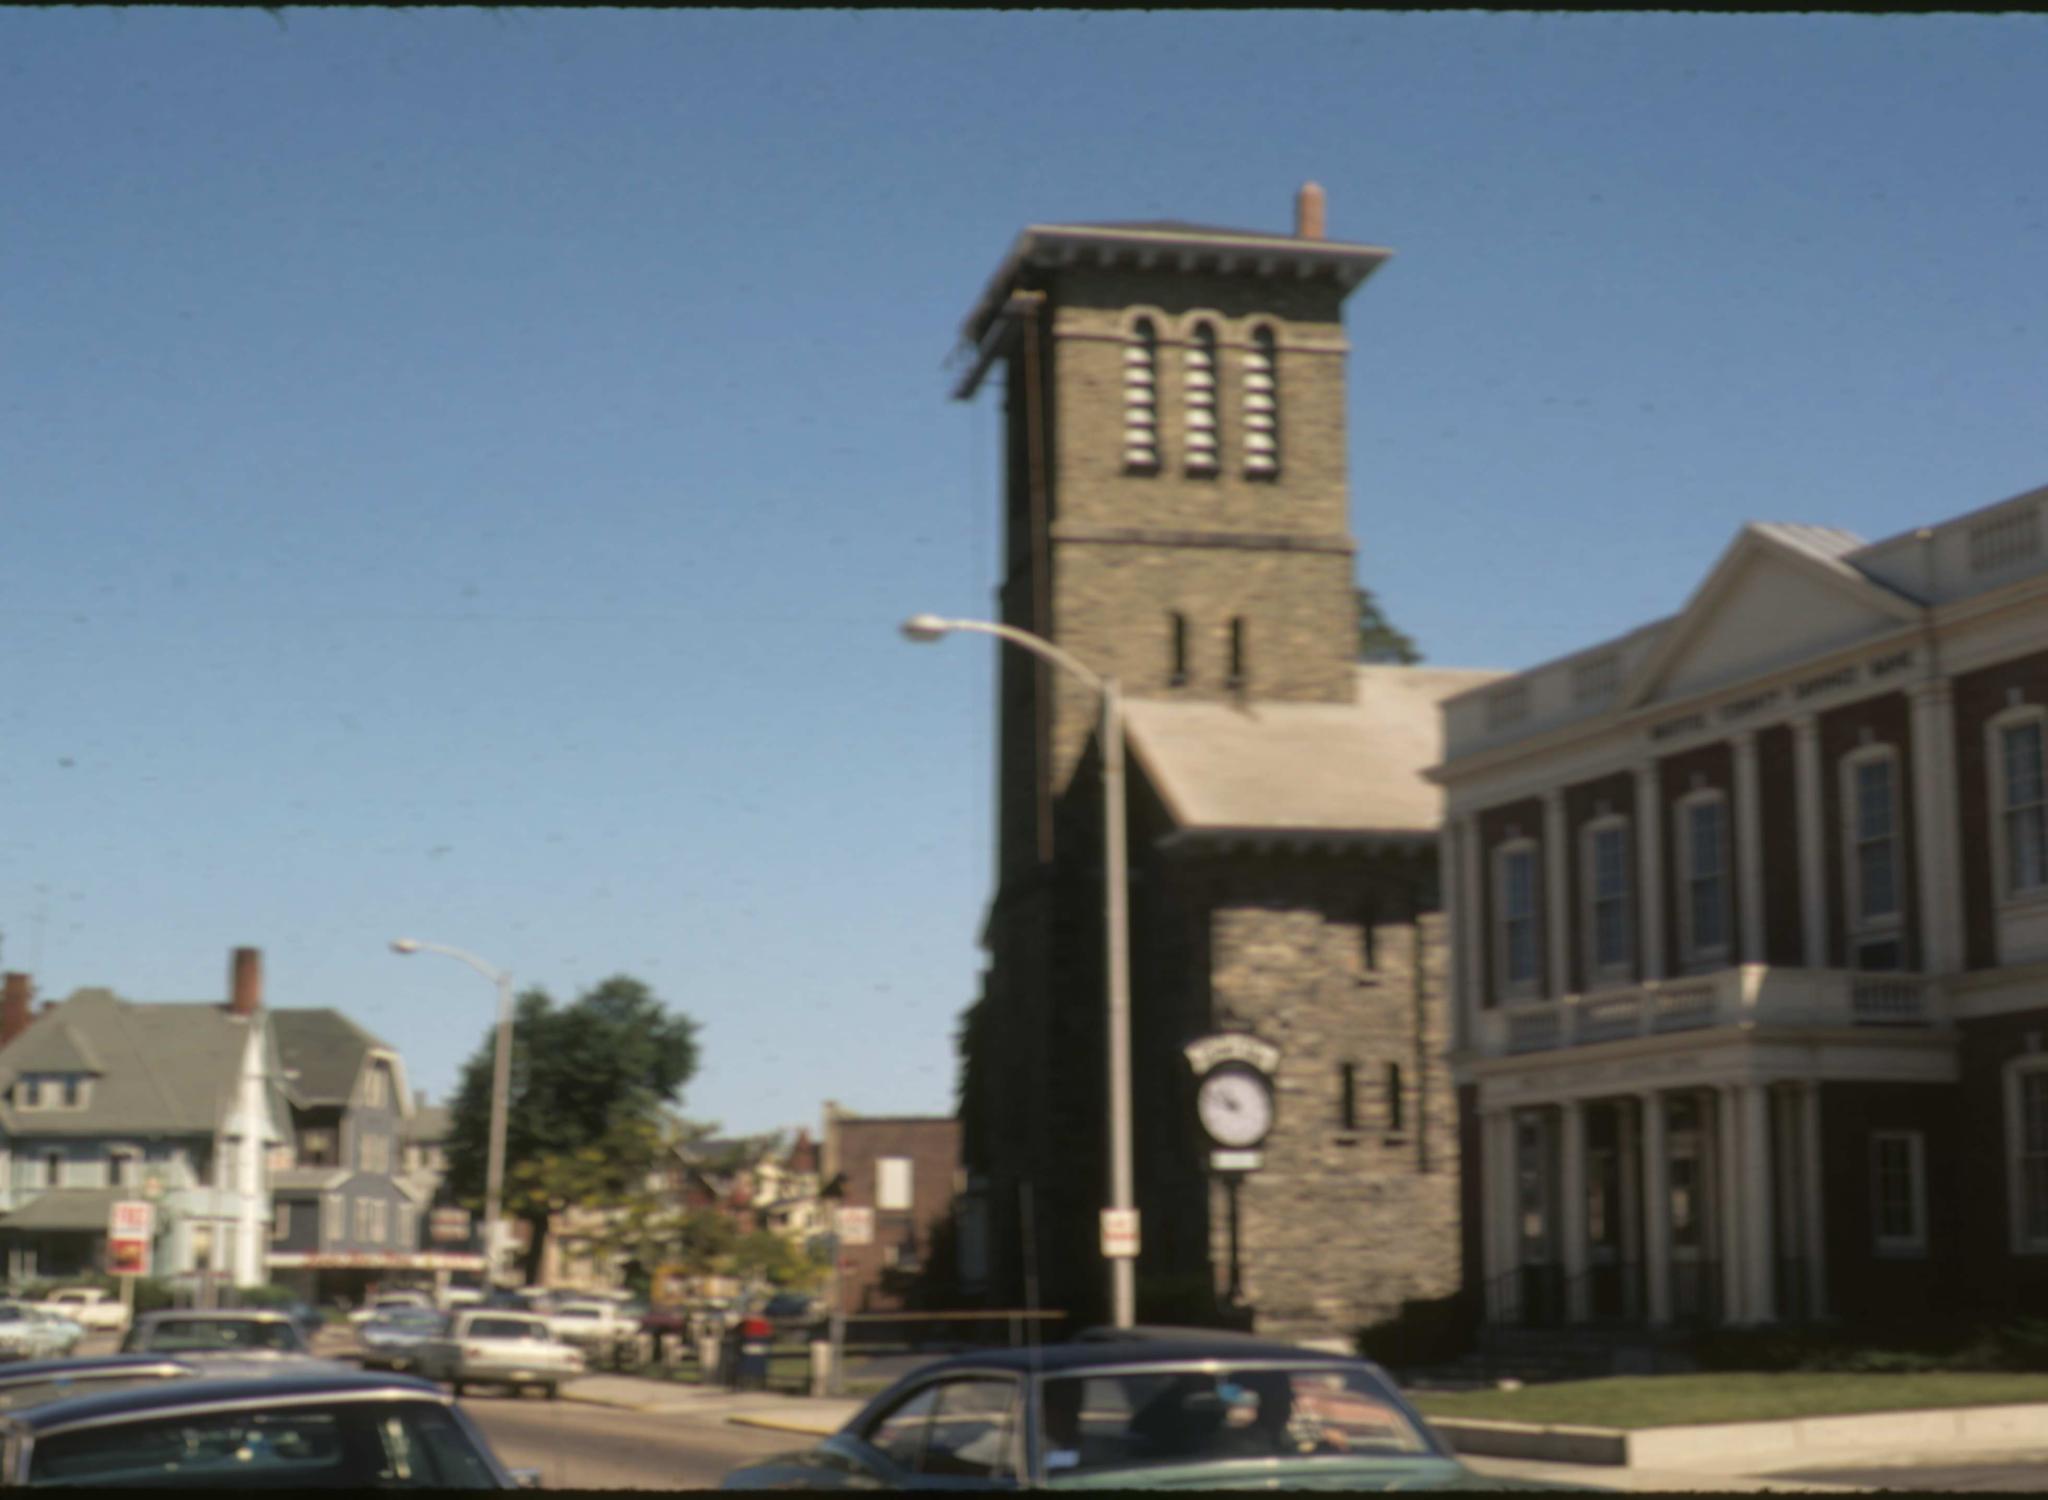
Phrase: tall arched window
(1239,668)
(1262,406)
(1141,399)
(1198,377)
(1177,624)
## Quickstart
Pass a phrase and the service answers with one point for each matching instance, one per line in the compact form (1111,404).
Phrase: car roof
(212,1315)
(27,1371)
(1099,1349)
(270,1388)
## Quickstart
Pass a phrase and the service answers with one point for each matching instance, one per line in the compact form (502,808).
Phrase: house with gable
(1749,914)
(348,1209)
(103,1099)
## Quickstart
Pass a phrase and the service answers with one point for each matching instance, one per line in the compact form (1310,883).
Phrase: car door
(959,1432)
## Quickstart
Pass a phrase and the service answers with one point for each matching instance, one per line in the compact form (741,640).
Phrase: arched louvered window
(1141,398)
(1198,377)
(1178,625)
(1262,406)
(1238,665)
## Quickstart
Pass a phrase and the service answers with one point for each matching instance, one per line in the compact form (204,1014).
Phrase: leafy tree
(704,1242)
(1379,639)
(766,1256)
(586,1113)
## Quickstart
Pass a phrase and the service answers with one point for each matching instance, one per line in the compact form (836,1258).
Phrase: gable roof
(323,1053)
(1326,768)
(1826,601)
(429,1122)
(52,1047)
(162,1068)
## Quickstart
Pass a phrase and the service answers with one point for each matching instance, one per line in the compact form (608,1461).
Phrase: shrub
(1427,1331)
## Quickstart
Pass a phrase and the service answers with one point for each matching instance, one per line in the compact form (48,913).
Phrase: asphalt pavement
(579,1446)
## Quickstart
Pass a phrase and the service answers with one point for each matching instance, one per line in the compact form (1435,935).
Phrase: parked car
(300,1427)
(30,1331)
(487,1347)
(93,1308)
(244,1331)
(599,1329)
(386,1302)
(1159,1408)
(393,1341)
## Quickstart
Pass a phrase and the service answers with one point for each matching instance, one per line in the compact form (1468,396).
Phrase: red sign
(130,1227)
(446,1225)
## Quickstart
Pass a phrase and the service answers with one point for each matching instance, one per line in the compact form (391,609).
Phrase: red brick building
(905,1171)
(1750,929)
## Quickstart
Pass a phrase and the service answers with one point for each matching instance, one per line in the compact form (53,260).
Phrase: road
(594,1447)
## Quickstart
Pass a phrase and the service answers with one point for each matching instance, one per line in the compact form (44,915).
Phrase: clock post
(1234,1105)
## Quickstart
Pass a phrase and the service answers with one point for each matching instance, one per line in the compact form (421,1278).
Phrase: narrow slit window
(1198,376)
(1395,1119)
(1237,652)
(1177,625)
(1141,398)
(1347,1095)
(1262,407)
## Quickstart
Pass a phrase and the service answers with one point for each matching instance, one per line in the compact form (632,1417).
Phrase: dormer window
(1199,399)
(1141,398)
(1262,407)
(43,1091)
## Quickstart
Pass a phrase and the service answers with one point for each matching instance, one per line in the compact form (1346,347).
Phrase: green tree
(1379,639)
(586,1116)
(765,1256)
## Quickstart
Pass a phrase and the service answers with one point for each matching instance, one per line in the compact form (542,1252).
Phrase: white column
(1557,896)
(1650,873)
(1496,1210)
(1471,870)
(1813,890)
(1456,916)
(1571,1194)
(1749,851)
(1656,1209)
(1755,1131)
(1935,828)
(1815,1240)
(1628,1151)
(1728,1204)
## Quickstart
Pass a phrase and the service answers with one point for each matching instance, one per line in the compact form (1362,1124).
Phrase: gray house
(104,1099)
(348,1212)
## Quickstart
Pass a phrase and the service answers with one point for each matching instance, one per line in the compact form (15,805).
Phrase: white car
(509,1349)
(28,1331)
(91,1307)
(597,1328)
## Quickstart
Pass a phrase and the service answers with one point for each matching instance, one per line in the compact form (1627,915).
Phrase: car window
(1101,1422)
(899,1432)
(972,1430)
(415,1445)
(199,1335)
(503,1328)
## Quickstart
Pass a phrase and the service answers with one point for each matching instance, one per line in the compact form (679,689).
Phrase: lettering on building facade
(1827,682)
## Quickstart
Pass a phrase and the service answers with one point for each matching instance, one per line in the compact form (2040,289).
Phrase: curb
(771,1422)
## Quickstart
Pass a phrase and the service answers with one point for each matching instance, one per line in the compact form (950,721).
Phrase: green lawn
(1633,1401)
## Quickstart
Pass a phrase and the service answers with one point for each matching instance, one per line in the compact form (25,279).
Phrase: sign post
(130,1226)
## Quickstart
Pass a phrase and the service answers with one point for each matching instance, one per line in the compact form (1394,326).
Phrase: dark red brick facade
(885,1276)
(1978,697)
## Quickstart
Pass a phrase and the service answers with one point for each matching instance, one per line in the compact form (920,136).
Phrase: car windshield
(190,1335)
(340,1445)
(411,1319)
(1093,1423)
(504,1328)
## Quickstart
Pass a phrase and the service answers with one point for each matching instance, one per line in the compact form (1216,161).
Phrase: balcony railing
(1749,994)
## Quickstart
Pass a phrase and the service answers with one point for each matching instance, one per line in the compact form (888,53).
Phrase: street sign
(448,1225)
(129,1226)
(856,1226)
(1120,1234)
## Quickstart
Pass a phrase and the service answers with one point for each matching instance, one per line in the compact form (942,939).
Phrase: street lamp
(1122,1268)
(501,1085)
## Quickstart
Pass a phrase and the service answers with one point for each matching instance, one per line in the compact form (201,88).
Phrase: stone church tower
(1176,515)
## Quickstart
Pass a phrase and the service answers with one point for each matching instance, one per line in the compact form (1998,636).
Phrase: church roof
(1346,769)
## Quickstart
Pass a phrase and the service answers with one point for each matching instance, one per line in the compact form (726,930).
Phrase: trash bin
(748,1346)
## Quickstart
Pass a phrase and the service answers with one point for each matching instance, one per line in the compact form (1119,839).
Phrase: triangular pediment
(1775,598)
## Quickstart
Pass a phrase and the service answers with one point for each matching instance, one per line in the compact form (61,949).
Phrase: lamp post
(501,1085)
(1122,1268)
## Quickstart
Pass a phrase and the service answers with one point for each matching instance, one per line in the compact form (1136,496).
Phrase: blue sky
(462,470)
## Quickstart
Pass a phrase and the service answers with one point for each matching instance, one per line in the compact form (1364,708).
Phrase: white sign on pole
(856,1226)
(1120,1234)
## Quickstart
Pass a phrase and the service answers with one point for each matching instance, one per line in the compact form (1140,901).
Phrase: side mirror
(526,1479)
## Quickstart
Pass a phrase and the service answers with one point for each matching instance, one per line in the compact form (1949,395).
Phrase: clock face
(1235,1106)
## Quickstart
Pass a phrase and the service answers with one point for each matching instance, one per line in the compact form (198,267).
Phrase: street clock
(1235,1105)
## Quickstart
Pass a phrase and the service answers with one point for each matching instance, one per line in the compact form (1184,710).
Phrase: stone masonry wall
(1339,1227)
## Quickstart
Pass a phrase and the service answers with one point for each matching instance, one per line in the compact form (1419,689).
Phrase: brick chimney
(17,998)
(245,982)
(1308,212)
